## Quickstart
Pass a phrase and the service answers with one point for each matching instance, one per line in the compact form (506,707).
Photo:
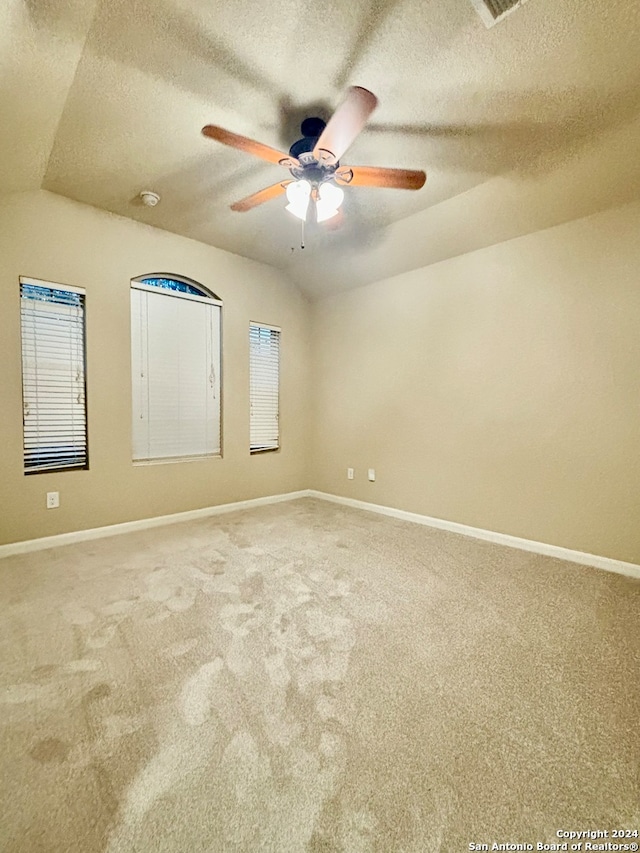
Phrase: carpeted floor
(308,677)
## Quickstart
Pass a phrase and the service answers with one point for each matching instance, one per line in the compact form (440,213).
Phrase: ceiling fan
(314,161)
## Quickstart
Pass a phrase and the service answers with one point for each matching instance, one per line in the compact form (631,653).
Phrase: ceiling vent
(492,11)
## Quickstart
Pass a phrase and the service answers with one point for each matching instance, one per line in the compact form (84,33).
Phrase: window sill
(28,472)
(260,450)
(173,460)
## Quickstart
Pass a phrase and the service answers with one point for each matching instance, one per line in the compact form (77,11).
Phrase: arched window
(177,284)
(175,367)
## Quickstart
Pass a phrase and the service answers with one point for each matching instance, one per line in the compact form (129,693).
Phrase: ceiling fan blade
(243,143)
(345,124)
(372,176)
(260,197)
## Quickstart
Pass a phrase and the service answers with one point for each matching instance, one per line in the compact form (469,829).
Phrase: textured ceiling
(107,97)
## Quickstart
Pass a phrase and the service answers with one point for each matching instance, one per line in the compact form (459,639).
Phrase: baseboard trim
(606,563)
(140,524)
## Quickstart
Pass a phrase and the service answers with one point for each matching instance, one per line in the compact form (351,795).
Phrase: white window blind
(175,358)
(53,376)
(264,380)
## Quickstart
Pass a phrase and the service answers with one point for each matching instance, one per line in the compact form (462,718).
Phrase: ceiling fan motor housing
(310,169)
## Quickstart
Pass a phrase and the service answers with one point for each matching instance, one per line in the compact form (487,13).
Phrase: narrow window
(53,376)
(264,380)
(175,365)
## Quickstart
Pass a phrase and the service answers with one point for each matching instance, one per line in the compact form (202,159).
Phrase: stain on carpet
(50,749)
(100,691)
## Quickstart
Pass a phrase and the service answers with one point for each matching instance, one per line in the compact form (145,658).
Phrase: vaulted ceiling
(520,126)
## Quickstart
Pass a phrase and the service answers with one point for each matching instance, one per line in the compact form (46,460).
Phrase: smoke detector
(148,198)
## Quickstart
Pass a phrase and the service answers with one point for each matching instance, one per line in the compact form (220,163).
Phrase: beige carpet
(307,677)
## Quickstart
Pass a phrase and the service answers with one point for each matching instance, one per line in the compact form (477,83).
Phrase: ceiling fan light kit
(298,196)
(330,197)
(327,196)
(314,161)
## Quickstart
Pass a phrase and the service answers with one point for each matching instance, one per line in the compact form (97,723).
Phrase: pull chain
(302,233)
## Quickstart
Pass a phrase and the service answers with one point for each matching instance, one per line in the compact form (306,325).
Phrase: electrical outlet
(372,474)
(53,500)
(350,474)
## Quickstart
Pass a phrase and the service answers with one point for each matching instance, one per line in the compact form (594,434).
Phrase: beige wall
(45,236)
(500,389)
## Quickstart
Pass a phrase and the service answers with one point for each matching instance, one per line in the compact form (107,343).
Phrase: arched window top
(177,284)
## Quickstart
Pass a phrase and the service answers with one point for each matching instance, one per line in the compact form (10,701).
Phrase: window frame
(205,296)
(30,281)
(258,450)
